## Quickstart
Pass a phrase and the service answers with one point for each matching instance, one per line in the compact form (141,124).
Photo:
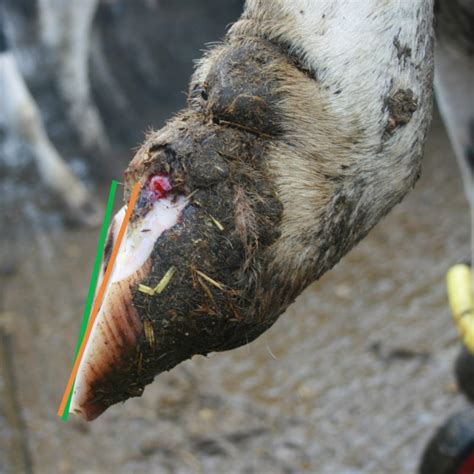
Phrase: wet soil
(354,378)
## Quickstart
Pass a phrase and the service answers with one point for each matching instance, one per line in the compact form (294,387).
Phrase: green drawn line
(93,282)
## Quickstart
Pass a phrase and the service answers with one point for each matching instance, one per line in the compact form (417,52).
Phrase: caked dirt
(354,378)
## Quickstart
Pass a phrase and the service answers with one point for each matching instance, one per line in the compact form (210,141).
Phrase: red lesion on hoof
(158,187)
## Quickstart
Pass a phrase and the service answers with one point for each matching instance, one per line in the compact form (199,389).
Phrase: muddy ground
(354,378)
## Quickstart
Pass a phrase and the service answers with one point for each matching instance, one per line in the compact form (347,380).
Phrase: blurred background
(353,379)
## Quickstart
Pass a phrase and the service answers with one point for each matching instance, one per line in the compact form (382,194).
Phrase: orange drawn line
(100,296)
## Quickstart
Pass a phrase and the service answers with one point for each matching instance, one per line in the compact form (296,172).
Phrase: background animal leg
(453,84)
(66,31)
(22,117)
